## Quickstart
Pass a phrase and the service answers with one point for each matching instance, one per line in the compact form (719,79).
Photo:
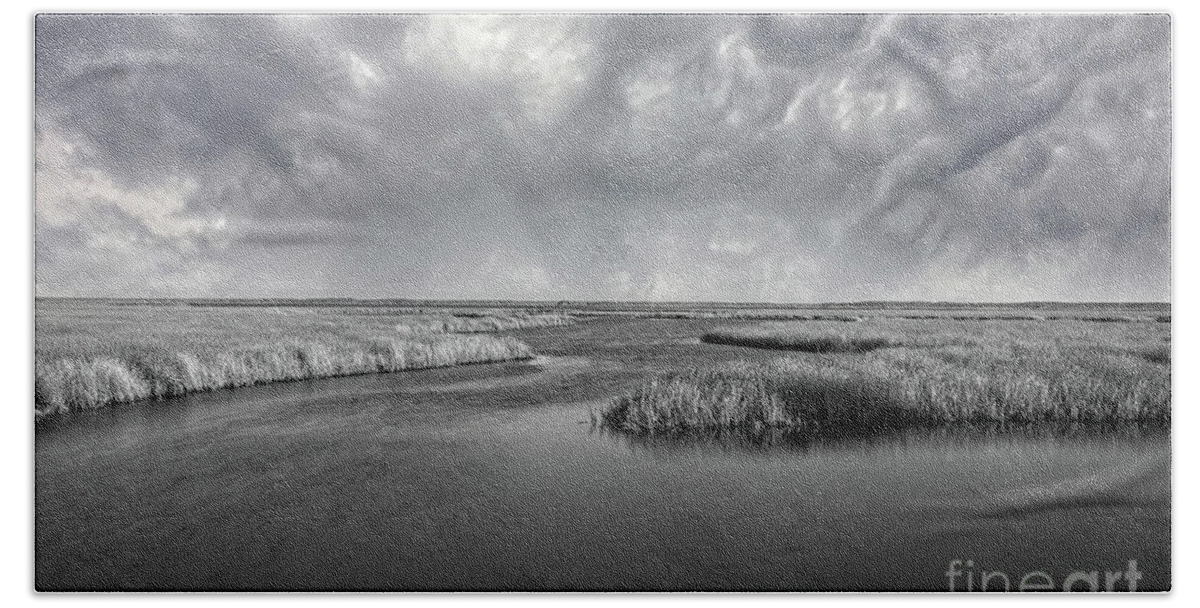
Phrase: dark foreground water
(491,477)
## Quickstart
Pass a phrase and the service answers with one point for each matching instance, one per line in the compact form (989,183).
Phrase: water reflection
(768,440)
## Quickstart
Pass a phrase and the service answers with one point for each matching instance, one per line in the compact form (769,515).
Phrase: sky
(742,158)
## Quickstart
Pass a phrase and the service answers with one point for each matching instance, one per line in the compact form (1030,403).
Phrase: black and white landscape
(801,302)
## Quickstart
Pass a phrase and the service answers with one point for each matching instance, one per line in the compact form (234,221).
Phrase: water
(491,477)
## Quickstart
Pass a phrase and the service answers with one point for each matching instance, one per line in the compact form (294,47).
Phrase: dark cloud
(714,157)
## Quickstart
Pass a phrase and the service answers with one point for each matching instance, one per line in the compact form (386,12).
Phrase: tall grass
(936,374)
(700,399)
(89,356)
(485,323)
(807,341)
(852,315)
(747,315)
(64,385)
(1158,353)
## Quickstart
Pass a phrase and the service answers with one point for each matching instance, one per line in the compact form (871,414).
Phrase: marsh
(492,476)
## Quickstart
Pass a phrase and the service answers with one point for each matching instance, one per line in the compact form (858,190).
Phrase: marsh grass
(733,315)
(867,311)
(89,355)
(940,372)
(1158,353)
(699,399)
(484,323)
(800,340)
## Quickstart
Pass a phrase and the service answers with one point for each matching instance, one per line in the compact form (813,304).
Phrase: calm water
(490,477)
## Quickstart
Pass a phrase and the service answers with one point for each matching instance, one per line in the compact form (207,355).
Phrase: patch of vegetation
(1159,353)
(933,373)
(72,384)
(998,317)
(485,323)
(747,315)
(89,355)
(800,340)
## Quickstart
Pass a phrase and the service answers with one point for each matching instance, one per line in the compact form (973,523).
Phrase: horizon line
(588,301)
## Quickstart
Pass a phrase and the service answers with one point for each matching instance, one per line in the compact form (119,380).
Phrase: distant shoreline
(602,305)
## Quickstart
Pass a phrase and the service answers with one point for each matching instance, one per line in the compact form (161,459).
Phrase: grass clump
(485,323)
(698,399)
(1159,353)
(799,337)
(937,374)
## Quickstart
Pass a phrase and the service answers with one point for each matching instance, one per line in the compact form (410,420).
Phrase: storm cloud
(788,158)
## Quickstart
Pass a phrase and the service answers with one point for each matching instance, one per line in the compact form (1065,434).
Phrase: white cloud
(69,192)
(364,75)
(537,57)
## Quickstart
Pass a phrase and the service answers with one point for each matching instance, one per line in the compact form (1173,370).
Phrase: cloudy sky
(717,157)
